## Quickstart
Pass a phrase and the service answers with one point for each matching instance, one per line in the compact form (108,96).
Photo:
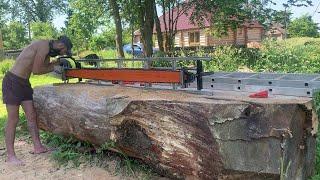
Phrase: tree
(97,43)
(158,29)
(85,17)
(226,14)
(38,10)
(3,7)
(117,19)
(140,14)
(281,17)
(14,35)
(303,27)
(172,10)
(28,11)
(108,35)
(146,22)
(43,30)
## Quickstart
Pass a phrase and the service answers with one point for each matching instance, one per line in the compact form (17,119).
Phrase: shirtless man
(16,89)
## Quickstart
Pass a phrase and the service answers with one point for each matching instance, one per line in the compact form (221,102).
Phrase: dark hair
(67,42)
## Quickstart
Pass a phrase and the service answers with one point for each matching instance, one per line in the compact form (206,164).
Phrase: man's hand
(58,69)
(56,62)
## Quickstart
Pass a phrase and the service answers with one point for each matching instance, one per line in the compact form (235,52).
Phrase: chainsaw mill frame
(284,84)
(175,76)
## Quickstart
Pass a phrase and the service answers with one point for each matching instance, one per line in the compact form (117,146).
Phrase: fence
(10,54)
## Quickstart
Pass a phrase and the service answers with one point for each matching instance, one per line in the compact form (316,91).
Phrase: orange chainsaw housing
(130,75)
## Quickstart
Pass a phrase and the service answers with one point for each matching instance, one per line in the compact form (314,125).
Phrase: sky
(297,12)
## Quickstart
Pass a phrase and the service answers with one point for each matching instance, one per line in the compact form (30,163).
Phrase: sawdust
(41,167)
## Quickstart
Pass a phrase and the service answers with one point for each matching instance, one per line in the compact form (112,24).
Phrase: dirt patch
(42,167)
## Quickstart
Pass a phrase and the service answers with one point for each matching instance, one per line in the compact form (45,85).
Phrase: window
(194,38)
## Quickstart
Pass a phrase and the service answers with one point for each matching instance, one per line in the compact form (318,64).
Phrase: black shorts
(15,89)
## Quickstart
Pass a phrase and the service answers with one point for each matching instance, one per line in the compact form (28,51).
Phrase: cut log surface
(187,136)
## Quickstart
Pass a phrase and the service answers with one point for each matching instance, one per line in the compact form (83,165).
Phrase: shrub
(6,65)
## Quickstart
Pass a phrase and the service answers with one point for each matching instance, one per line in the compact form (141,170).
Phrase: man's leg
(33,127)
(10,132)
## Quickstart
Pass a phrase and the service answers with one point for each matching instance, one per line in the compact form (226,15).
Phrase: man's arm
(42,64)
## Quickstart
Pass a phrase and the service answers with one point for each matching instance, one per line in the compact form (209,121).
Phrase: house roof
(253,24)
(276,28)
(184,23)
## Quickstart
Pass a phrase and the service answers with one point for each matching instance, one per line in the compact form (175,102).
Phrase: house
(276,31)
(191,35)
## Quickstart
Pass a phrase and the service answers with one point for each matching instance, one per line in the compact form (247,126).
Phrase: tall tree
(42,30)
(117,19)
(86,17)
(158,29)
(146,22)
(14,35)
(28,11)
(281,17)
(3,7)
(303,27)
(39,10)
(172,10)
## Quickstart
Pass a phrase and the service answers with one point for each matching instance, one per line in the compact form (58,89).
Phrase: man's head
(61,46)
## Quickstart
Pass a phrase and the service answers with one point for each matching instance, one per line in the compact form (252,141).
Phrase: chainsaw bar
(131,75)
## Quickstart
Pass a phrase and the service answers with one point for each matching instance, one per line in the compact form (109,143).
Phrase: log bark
(187,136)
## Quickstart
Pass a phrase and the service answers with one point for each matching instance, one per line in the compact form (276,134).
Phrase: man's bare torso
(23,66)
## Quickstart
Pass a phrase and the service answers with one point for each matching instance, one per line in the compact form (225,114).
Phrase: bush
(6,65)
(296,55)
(225,58)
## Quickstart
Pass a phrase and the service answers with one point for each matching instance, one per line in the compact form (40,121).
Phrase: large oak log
(186,135)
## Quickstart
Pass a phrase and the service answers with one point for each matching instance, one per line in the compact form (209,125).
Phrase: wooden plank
(186,39)
(177,39)
(254,35)
(202,38)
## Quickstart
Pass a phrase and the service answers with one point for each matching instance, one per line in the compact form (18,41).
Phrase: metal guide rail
(276,83)
(175,76)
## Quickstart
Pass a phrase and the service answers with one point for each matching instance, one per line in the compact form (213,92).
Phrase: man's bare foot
(39,150)
(15,161)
